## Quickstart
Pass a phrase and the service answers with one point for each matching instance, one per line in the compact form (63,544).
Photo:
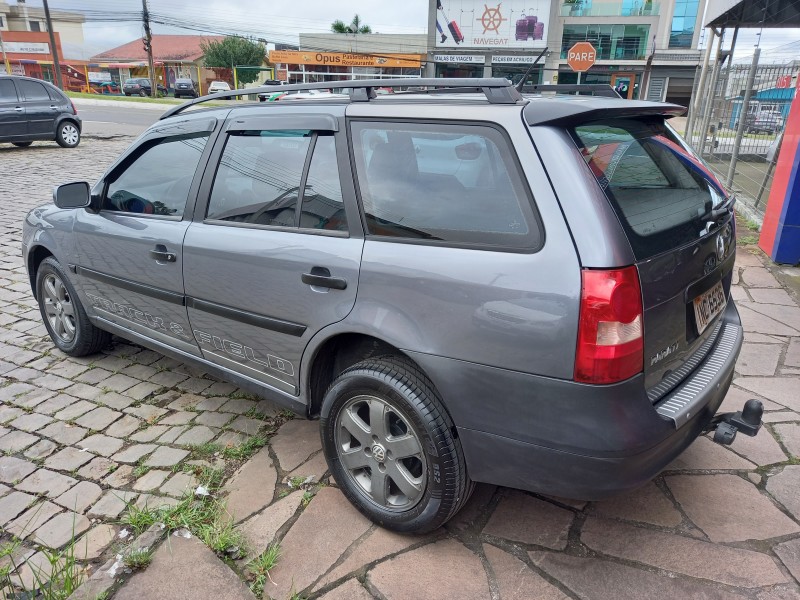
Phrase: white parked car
(218,86)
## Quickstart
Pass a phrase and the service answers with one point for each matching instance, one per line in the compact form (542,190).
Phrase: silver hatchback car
(464,283)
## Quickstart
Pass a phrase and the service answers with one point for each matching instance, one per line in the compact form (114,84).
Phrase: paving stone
(37,570)
(259,530)
(379,544)
(758,359)
(695,558)
(118,383)
(112,503)
(760,338)
(40,449)
(16,441)
(759,277)
(95,541)
(748,515)
(9,413)
(115,400)
(210,403)
(179,569)
(61,529)
(172,434)
(761,449)
(595,579)
(213,419)
(121,477)
(147,412)
(789,434)
(75,410)
(771,296)
(196,436)
(168,378)
(56,404)
(99,418)
(64,433)
(15,503)
(101,444)
(230,439)
(782,390)
(784,487)
(331,538)
(788,552)
(753,321)
(179,485)
(13,469)
(96,469)
(648,504)
(80,497)
(4,489)
(781,416)
(446,566)
(295,441)
(267,408)
(238,406)
(33,518)
(123,427)
(166,457)
(220,388)
(178,418)
(46,483)
(143,390)
(349,590)
(516,580)
(93,376)
(31,422)
(185,401)
(150,480)
(792,358)
(86,392)
(141,372)
(315,467)
(149,434)
(246,425)
(703,454)
(526,519)
(112,363)
(68,459)
(154,502)
(132,454)
(788,315)
(252,487)
(67,369)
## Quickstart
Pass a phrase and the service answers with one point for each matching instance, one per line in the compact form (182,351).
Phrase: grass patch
(138,559)
(747,240)
(65,574)
(140,470)
(751,225)
(260,568)
(246,450)
(139,519)
(200,451)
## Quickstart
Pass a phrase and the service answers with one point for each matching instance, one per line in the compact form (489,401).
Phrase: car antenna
(528,72)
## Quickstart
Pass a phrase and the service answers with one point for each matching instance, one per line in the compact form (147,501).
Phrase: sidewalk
(718,523)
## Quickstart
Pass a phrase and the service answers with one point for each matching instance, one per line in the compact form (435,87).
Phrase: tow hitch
(726,425)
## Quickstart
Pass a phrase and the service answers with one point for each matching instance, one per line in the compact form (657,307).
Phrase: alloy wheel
(59,308)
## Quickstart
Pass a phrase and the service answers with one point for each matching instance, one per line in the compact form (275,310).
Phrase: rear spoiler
(547,111)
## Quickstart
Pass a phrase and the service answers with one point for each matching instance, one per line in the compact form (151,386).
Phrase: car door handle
(19,109)
(321,277)
(161,253)
(53,107)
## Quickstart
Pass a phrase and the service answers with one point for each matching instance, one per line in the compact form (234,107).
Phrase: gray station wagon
(463,283)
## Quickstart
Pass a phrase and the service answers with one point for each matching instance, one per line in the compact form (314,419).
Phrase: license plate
(707,306)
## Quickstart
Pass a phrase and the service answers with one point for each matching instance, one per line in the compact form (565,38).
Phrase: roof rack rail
(593,89)
(497,90)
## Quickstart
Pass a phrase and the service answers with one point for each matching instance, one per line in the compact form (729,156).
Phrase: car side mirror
(72,195)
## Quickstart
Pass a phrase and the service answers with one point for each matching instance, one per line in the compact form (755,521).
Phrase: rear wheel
(143,93)
(389,444)
(22,144)
(68,135)
(63,314)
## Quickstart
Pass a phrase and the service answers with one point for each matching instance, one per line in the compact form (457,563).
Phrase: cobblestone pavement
(81,437)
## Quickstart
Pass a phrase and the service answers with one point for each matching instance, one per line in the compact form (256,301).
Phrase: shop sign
(27,47)
(475,59)
(339,59)
(513,59)
(481,24)
(99,76)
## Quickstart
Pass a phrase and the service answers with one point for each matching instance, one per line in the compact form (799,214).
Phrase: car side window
(32,90)
(323,206)
(157,181)
(8,93)
(447,183)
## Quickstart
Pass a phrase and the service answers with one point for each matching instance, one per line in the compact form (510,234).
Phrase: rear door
(676,217)
(41,111)
(12,111)
(274,256)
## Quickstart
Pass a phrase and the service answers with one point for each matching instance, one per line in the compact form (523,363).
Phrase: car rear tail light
(610,333)
(74,110)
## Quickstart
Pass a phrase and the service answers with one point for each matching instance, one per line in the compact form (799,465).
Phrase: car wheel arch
(36,255)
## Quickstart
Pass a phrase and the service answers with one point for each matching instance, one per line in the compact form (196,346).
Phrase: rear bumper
(568,439)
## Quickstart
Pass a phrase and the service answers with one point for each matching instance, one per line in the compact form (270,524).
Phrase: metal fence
(736,124)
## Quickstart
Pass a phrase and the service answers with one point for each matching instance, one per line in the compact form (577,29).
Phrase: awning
(753,13)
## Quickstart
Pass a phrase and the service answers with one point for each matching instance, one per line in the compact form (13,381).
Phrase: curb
(123,104)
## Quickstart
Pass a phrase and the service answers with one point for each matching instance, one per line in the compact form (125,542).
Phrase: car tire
(72,333)
(68,135)
(143,93)
(426,487)
(22,144)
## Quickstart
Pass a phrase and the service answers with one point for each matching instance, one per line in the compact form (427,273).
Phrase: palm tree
(355,26)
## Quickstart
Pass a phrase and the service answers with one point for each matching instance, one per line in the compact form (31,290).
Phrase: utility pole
(148,47)
(5,58)
(56,63)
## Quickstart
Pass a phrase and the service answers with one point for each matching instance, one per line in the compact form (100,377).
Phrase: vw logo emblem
(378,453)
(721,247)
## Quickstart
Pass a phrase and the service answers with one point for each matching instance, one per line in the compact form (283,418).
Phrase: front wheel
(63,314)
(390,446)
(68,135)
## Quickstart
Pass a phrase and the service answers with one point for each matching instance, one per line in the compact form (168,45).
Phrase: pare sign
(581,57)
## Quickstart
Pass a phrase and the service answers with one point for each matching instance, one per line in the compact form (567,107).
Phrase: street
(111,118)
(82,440)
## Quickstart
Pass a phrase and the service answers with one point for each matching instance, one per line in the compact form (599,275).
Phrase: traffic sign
(581,56)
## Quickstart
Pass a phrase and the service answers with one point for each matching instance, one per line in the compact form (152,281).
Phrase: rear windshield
(661,191)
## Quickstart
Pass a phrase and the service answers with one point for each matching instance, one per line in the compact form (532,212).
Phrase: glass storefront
(612,42)
(456,70)
(683,21)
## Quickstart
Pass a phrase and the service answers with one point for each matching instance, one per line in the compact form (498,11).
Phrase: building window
(683,21)
(35,25)
(612,42)
(1,22)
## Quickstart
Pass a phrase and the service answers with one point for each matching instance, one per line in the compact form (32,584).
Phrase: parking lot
(81,440)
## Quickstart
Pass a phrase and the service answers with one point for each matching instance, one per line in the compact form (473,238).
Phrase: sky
(279,21)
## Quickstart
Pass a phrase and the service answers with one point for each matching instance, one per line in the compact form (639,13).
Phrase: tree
(355,26)
(235,51)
